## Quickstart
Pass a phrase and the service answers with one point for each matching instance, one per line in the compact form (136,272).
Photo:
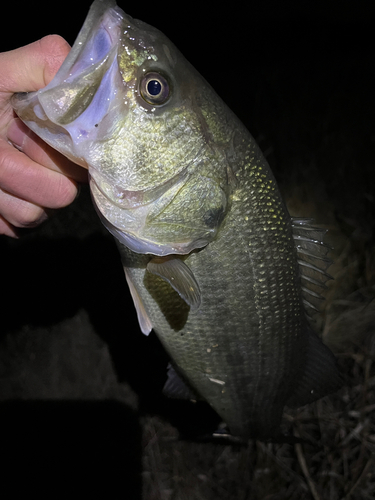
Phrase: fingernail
(17,132)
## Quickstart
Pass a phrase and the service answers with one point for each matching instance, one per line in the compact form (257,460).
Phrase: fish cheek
(195,213)
(173,307)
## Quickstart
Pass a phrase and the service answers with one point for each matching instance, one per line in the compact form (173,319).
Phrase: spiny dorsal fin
(313,261)
(174,271)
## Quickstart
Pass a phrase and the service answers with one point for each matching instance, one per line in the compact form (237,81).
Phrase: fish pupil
(154,87)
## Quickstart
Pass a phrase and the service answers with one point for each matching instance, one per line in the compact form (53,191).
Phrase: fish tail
(321,375)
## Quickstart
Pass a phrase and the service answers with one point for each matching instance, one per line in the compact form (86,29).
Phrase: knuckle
(7,165)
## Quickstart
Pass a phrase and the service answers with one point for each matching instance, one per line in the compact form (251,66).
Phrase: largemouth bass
(215,264)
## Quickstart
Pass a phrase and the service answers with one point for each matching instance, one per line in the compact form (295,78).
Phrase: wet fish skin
(245,347)
(206,241)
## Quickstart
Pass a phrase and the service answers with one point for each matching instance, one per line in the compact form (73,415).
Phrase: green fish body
(215,264)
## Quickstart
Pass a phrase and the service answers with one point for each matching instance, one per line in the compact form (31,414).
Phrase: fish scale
(254,320)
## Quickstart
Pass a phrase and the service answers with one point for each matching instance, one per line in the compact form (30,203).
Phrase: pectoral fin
(175,272)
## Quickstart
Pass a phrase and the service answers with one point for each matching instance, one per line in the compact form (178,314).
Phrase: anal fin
(175,387)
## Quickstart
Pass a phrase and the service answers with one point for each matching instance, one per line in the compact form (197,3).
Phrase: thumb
(33,66)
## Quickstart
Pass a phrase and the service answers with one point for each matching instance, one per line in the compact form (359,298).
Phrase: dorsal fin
(313,261)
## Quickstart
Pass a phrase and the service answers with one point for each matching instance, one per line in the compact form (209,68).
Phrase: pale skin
(34,179)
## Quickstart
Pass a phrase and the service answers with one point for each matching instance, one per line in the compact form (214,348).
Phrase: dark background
(75,371)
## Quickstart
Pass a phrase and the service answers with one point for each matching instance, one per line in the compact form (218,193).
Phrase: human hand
(34,178)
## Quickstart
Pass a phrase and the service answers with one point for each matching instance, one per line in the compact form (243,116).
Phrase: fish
(215,264)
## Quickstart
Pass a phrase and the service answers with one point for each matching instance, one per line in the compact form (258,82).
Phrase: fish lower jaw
(138,244)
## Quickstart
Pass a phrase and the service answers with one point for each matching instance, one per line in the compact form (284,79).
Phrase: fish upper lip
(130,199)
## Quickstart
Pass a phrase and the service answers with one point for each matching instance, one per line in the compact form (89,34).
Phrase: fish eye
(155,88)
